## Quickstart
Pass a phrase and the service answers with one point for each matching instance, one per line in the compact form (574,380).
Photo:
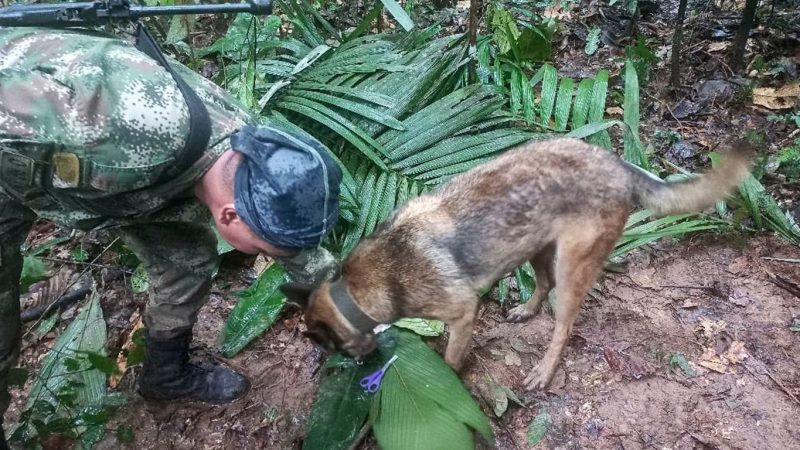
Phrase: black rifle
(100,12)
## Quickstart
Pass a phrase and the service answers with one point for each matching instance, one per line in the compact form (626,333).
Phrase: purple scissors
(372,382)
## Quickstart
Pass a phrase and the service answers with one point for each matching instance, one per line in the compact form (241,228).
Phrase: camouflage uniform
(87,125)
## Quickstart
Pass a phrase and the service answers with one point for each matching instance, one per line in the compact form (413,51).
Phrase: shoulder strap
(199,122)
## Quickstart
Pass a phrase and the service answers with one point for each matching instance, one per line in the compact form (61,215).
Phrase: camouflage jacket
(88,123)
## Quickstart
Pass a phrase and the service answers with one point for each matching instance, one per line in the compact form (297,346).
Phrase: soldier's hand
(310,266)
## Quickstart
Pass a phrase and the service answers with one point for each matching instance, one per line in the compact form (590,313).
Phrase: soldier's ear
(297,293)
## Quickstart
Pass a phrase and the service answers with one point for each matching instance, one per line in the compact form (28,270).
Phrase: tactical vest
(91,122)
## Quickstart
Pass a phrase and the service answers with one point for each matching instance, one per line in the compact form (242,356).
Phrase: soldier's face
(247,242)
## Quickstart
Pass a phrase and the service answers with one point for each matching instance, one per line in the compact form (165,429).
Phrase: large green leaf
(765,210)
(341,404)
(580,112)
(593,128)
(257,308)
(67,363)
(592,41)
(534,44)
(422,327)
(33,270)
(597,106)
(634,151)
(338,123)
(563,104)
(639,232)
(423,404)
(399,14)
(548,98)
(504,27)
(525,281)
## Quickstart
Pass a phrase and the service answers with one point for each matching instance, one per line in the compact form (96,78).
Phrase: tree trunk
(740,42)
(677,47)
(474,8)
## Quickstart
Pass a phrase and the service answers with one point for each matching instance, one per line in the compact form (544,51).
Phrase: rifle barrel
(66,14)
(143,11)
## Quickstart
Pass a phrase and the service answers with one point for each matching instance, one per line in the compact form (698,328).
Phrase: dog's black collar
(347,306)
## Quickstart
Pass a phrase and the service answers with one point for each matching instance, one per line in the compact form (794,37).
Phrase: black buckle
(17,172)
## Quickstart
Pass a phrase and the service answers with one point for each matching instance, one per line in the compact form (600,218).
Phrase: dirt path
(616,388)
(636,325)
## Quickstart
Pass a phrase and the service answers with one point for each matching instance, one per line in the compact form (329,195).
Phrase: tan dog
(560,204)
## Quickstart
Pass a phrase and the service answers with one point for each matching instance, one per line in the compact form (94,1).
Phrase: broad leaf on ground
(258,306)
(33,270)
(86,334)
(423,327)
(538,427)
(423,404)
(341,404)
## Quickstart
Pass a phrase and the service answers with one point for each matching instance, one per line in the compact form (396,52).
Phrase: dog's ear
(297,293)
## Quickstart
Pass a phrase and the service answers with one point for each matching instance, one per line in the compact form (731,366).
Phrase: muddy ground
(690,348)
(616,388)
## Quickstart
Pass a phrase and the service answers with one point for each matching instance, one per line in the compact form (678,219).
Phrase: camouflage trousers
(180,259)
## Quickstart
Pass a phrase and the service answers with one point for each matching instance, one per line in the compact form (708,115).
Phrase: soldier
(93,135)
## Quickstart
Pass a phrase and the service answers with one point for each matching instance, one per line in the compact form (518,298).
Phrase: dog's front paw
(520,314)
(538,379)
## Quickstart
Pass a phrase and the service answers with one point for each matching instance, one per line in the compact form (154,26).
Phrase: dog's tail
(696,193)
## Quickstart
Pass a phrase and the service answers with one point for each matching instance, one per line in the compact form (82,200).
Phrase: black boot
(168,375)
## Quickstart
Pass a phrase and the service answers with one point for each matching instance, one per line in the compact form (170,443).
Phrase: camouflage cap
(287,187)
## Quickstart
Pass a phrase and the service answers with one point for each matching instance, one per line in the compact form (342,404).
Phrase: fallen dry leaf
(629,366)
(710,328)
(690,303)
(782,98)
(512,359)
(614,111)
(260,264)
(710,360)
(122,360)
(718,46)
(735,354)
(556,12)
(522,346)
(495,396)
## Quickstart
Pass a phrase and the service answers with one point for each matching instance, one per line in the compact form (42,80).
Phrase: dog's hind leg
(460,326)
(581,252)
(545,281)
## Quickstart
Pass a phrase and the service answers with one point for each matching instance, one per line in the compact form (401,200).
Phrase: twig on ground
(785,284)
(786,260)
(774,380)
(79,263)
(83,272)
(362,434)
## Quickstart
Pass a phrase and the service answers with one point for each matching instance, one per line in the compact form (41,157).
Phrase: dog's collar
(347,306)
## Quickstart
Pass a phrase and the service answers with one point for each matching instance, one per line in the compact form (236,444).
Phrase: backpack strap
(199,122)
